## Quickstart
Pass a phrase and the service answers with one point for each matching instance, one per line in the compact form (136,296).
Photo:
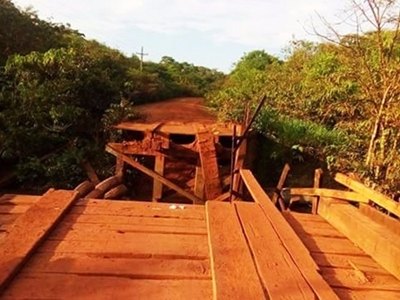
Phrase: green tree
(243,87)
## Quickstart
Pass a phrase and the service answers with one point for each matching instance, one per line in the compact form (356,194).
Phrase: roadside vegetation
(338,100)
(60,93)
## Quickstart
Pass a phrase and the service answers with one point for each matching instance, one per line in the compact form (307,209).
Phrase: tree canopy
(60,92)
(339,96)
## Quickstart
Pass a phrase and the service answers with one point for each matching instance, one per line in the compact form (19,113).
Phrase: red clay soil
(177,110)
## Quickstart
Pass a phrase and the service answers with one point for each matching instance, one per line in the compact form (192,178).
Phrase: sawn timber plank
(279,274)
(233,271)
(292,242)
(30,229)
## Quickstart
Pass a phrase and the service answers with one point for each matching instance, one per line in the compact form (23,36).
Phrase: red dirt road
(177,110)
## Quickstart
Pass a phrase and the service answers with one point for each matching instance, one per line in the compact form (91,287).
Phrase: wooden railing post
(317,184)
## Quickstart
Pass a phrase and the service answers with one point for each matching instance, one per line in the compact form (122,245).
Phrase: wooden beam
(159,168)
(279,274)
(388,222)
(317,183)
(329,193)
(373,238)
(199,183)
(223,197)
(378,198)
(84,188)
(154,175)
(233,271)
(137,148)
(30,229)
(95,194)
(91,173)
(157,185)
(239,161)
(108,183)
(282,179)
(116,192)
(177,128)
(209,164)
(174,150)
(289,238)
(119,166)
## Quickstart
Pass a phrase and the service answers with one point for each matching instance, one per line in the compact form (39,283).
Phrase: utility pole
(141,54)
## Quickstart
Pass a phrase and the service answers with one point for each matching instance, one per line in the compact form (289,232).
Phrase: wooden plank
(8,219)
(72,286)
(317,183)
(119,166)
(135,268)
(345,293)
(18,199)
(178,128)
(233,271)
(279,186)
(316,229)
(223,197)
(139,209)
(154,175)
(345,261)
(344,195)
(30,229)
(279,274)
(199,183)
(100,220)
(143,245)
(146,147)
(380,199)
(291,241)
(186,208)
(378,242)
(239,162)
(329,245)
(159,165)
(349,278)
(388,222)
(209,165)
(13,209)
(128,229)
(121,211)
(316,220)
(157,185)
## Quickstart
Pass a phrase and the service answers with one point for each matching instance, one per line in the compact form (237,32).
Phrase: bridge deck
(104,249)
(348,270)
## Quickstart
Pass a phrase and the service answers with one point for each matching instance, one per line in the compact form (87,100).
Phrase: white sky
(212,33)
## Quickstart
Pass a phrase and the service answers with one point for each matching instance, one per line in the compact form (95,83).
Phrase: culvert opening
(182,139)
(131,135)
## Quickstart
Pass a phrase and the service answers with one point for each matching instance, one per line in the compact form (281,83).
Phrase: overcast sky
(212,33)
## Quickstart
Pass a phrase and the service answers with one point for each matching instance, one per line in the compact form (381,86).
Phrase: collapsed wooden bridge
(61,246)
(81,245)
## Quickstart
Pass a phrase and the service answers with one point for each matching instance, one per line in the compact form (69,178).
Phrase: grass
(291,131)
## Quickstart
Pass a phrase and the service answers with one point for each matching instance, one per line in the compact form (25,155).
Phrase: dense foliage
(339,98)
(61,93)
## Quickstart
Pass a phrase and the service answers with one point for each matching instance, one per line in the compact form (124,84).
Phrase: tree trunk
(376,130)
